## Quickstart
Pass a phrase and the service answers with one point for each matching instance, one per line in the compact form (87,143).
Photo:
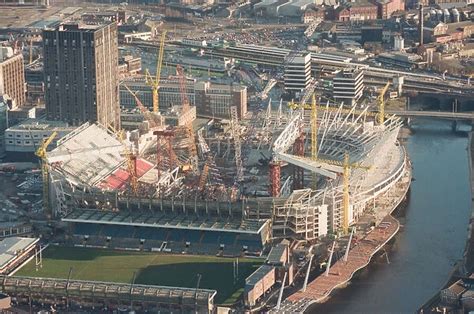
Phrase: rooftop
(42,124)
(88,154)
(10,248)
(165,220)
(276,253)
(257,275)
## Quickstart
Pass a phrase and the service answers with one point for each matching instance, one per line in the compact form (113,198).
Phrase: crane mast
(41,153)
(154,83)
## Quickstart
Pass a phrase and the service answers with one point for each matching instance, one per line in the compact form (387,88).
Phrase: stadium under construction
(300,172)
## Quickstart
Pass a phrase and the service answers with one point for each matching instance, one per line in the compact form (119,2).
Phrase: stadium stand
(82,295)
(169,232)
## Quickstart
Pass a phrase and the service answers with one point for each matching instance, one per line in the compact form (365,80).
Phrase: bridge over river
(433,114)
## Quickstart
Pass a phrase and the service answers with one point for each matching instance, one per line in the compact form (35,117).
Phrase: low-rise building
(257,284)
(27,136)
(400,59)
(387,7)
(356,11)
(313,14)
(210,99)
(132,65)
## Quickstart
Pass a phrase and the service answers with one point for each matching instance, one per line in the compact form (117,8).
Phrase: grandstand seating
(177,240)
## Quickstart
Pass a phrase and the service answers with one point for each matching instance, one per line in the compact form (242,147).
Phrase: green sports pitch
(149,268)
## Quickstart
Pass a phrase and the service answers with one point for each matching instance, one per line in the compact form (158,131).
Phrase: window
(10,142)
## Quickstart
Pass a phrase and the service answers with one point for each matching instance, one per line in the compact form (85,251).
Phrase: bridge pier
(408,122)
(454,125)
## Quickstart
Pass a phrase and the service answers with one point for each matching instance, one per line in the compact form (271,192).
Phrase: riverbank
(361,252)
(469,251)
(433,229)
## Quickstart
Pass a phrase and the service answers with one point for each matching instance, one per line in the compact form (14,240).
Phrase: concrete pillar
(398,82)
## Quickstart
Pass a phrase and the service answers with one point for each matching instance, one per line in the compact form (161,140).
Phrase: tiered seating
(86,229)
(168,231)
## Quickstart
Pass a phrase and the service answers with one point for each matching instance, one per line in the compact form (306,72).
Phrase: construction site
(305,173)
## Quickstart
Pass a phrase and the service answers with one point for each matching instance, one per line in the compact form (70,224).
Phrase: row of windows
(27,135)
(24,143)
(65,42)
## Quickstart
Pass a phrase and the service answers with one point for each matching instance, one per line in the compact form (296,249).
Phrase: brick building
(356,11)
(387,7)
(12,76)
(81,74)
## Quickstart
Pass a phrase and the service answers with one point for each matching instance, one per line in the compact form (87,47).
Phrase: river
(433,233)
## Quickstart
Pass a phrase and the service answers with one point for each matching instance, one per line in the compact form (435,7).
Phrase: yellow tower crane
(379,116)
(346,175)
(381,103)
(154,83)
(41,153)
(345,164)
(131,163)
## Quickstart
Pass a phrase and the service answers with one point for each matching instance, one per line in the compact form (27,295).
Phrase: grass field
(150,268)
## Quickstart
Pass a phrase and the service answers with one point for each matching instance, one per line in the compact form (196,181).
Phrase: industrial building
(12,76)
(80,74)
(348,85)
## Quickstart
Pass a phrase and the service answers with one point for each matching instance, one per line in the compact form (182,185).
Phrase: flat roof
(88,154)
(41,124)
(11,247)
(165,220)
(257,275)
(54,286)
(276,253)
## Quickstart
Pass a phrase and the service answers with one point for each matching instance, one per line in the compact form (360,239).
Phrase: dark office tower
(81,74)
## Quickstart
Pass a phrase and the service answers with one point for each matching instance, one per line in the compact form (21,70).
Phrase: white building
(348,86)
(298,72)
(27,136)
(398,43)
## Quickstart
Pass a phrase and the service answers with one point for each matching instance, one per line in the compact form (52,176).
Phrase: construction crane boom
(41,153)
(149,116)
(154,83)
